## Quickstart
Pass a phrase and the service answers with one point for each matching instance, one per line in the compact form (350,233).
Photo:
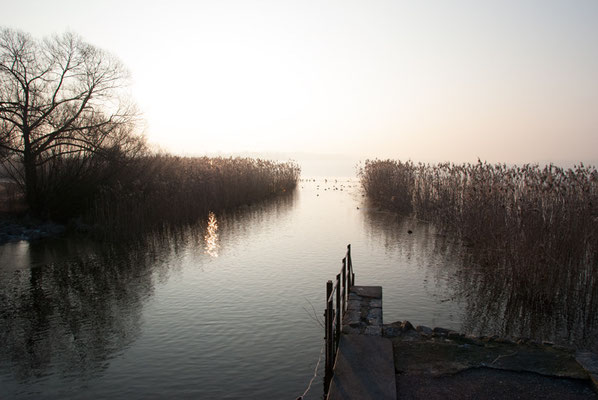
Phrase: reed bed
(161,190)
(530,234)
(120,193)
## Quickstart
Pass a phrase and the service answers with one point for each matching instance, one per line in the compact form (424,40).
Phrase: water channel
(228,309)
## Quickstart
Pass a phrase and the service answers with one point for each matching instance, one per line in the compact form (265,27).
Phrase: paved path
(364,367)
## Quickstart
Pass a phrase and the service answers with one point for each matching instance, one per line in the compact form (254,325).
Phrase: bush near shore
(532,231)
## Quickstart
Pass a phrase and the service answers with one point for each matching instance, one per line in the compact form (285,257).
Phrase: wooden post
(328,338)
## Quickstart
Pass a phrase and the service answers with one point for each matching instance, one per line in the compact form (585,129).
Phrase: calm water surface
(227,309)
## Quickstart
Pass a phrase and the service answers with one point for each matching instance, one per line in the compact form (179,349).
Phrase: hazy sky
(512,81)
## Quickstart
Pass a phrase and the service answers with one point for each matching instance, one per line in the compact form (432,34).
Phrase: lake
(227,309)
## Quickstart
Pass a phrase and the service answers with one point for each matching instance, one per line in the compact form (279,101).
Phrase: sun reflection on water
(211,236)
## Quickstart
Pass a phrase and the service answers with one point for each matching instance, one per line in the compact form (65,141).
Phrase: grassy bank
(531,233)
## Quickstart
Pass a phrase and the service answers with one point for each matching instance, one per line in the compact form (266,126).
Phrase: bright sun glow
(211,238)
(504,81)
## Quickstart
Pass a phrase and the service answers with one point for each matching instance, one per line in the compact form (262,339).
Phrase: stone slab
(368,291)
(364,369)
(492,384)
(364,311)
(589,362)
(438,356)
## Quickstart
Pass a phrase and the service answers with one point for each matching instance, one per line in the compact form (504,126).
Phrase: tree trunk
(31,189)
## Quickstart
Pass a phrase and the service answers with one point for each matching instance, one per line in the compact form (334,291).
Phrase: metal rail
(337,300)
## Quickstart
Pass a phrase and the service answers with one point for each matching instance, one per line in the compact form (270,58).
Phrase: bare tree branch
(60,97)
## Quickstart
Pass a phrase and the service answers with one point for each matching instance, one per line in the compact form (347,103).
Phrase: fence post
(345,285)
(329,337)
(344,281)
(350,266)
(339,313)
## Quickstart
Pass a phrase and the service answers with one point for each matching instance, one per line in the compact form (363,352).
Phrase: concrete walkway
(377,361)
(364,367)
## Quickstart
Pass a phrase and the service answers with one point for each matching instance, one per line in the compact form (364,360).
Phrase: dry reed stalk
(532,231)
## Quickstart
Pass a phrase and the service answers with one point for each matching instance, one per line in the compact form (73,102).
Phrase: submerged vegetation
(531,235)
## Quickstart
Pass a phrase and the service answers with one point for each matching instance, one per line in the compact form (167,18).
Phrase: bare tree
(59,97)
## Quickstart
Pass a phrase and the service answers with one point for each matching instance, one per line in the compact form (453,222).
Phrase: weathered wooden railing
(337,298)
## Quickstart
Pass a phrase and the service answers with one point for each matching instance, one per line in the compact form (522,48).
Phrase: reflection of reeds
(161,190)
(532,231)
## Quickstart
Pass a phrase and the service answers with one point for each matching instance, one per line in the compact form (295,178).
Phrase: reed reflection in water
(492,300)
(416,267)
(161,317)
(497,303)
(74,307)
(83,319)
